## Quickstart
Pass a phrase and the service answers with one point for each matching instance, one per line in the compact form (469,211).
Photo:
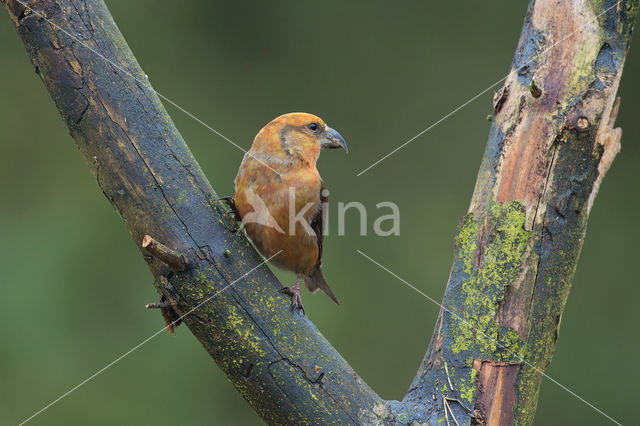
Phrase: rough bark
(551,142)
(147,172)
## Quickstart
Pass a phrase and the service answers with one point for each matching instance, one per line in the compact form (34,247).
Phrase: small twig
(447,407)
(446,370)
(446,413)
(171,318)
(160,305)
(448,398)
(172,258)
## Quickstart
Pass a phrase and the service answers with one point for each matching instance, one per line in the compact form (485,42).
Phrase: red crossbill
(279,195)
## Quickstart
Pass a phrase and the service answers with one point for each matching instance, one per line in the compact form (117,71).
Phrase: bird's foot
(231,202)
(294,293)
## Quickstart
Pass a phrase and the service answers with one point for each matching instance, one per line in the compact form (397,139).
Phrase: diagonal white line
(97,373)
(529,60)
(491,339)
(143,82)
(432,126)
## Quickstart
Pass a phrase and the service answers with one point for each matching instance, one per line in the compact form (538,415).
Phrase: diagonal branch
(147,172)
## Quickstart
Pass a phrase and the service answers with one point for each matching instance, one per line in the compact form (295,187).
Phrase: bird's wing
(317,222)
(315,280)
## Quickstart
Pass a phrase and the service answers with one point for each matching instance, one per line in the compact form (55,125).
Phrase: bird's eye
(313,126)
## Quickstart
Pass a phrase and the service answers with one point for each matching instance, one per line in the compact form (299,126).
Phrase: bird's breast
(276,212)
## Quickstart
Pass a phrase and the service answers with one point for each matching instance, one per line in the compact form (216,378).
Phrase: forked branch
(552,140)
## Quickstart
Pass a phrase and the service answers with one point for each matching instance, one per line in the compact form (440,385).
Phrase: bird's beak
(333,139)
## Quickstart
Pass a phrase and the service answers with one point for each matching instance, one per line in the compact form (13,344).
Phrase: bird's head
(299,135)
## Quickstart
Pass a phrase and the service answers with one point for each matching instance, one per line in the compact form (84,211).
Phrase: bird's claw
(231,202)
(294,294)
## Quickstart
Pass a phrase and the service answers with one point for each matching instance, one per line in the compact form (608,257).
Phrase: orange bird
(279,197)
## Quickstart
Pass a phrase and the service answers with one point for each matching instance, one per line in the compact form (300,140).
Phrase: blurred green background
(74,285)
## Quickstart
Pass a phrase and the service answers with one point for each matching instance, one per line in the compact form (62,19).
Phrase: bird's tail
(316,281)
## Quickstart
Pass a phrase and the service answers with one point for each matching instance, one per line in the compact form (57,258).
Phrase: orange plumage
(279,196)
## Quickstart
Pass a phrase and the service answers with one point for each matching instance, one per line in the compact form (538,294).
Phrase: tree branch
(518,247)
(149,175)
(551,142)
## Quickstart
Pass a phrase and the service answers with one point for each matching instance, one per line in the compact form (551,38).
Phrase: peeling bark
(551,142)
(518,247)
